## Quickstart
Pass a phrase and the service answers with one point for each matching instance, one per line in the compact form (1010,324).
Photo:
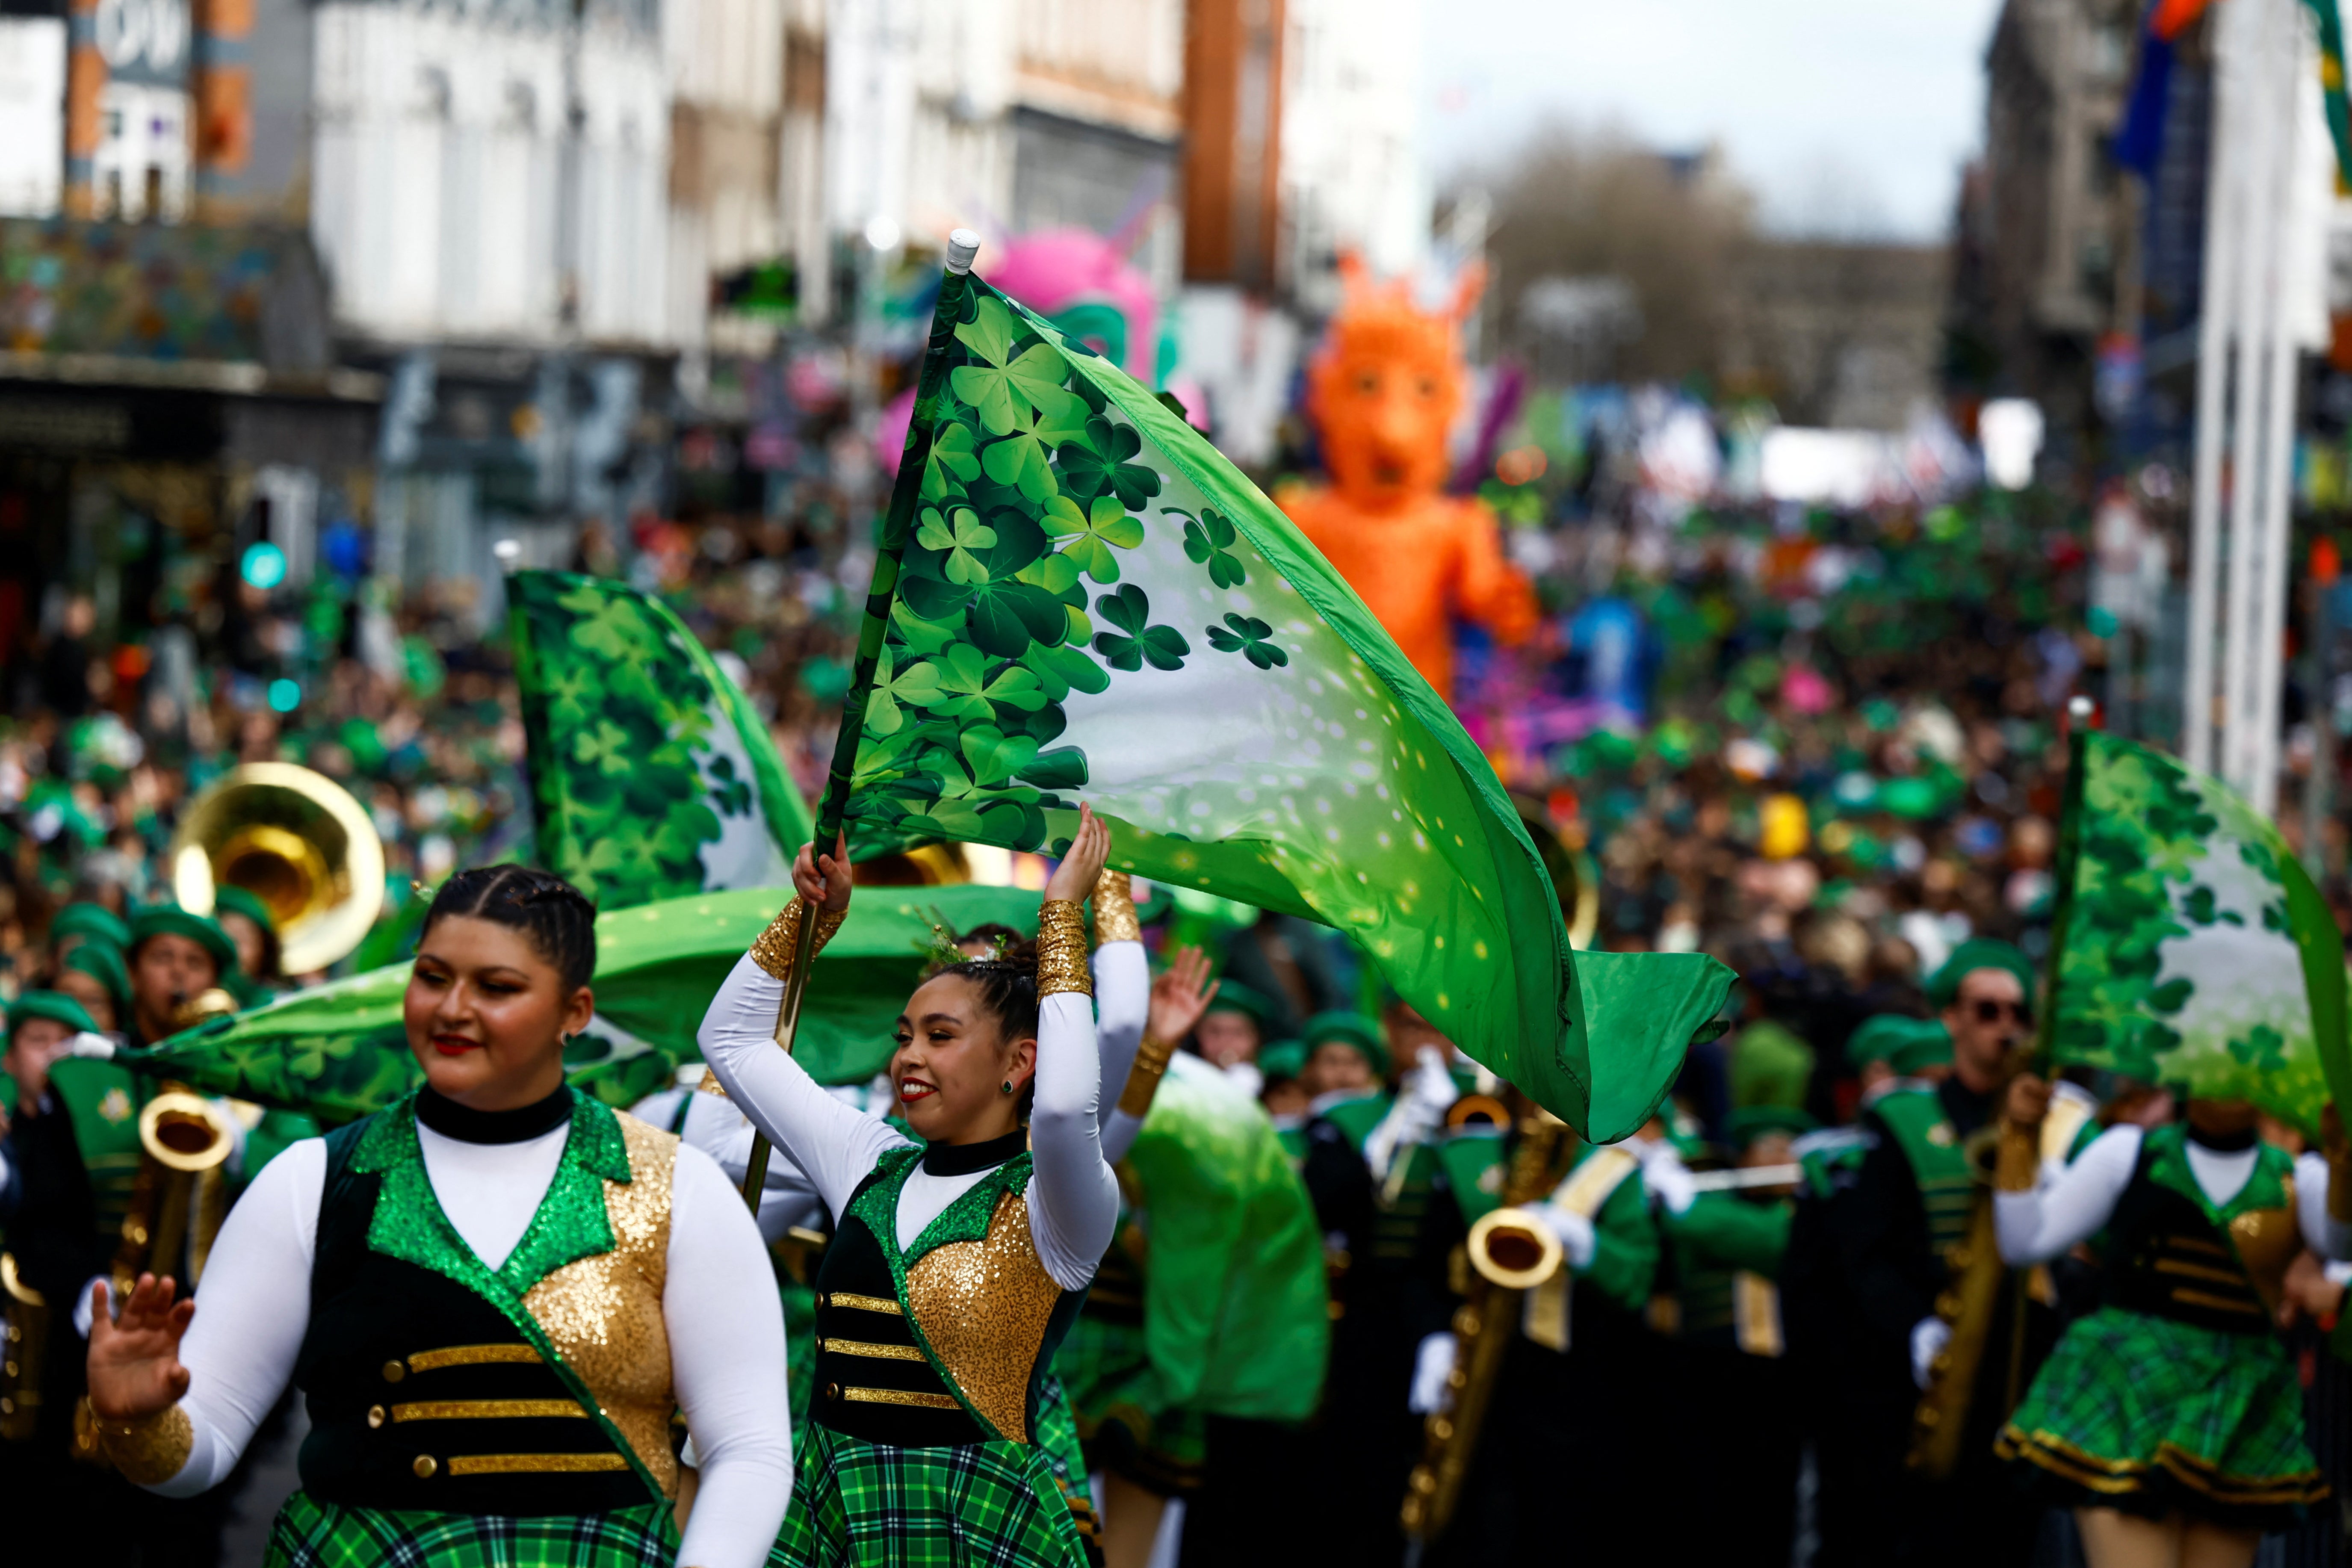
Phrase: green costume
(399,1301)
(932,1456)
(2175,1394)
(1770,1066)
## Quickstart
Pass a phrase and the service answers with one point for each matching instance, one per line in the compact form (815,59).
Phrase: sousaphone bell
(299,842)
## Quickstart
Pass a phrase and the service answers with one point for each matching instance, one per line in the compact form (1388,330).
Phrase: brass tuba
(299,842)
(1512,1252)
(26,1313)
(1575,880)
(188,1138)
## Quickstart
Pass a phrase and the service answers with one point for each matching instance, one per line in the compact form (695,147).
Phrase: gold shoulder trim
(604,1313)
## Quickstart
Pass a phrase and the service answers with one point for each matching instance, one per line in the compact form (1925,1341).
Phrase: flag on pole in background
(651,774)
(1079,600)
(2193,950)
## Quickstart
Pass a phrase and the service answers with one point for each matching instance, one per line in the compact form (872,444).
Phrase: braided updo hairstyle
(556,916)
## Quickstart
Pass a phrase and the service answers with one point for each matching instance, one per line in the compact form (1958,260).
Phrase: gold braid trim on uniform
(1115,908)
(2018,1168)
(1062,949)
(774,950)
(148,1450)
(1143,1078)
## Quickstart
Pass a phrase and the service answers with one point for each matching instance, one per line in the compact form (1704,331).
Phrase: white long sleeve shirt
(725,1329)
(1122,1010)
(2036,1227)
(1073,1196)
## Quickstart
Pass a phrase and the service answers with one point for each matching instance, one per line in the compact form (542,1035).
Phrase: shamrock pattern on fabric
(1249,636)
(1130,610)
(1209,540)
(651,778)
(1030,498)
(2180,960)
(1101,465)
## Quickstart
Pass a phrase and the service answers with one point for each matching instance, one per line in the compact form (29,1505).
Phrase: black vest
(2168,1260)
(422,1395)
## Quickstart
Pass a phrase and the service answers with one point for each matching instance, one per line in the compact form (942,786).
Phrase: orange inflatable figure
(1383,391)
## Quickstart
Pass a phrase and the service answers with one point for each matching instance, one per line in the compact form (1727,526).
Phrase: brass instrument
(299,842)
(1575,880)
(1512,1252)
(22,1354)
(1968,1303)
(186,1138)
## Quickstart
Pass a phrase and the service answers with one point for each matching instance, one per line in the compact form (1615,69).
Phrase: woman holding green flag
(494,1294)
(2170,1419)
(958,1261)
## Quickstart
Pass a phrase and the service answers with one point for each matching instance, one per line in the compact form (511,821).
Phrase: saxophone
(1968,1303)
(1511,1251)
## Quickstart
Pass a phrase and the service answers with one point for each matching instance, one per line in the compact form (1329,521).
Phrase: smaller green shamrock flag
(651,774)
(1079,600)
(337,1051)
(2193,950)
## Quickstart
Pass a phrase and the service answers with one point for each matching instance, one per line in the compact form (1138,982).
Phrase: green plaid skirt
(313,1534)
(2148,1416)
(1123,1415)
(970,1505)
(1057,1436)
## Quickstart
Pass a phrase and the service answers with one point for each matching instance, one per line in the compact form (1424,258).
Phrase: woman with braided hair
(961,1254)
(494,1293)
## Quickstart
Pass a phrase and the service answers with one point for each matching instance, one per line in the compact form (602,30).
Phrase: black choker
(963,1159)
(466,1125)
(2236,1142)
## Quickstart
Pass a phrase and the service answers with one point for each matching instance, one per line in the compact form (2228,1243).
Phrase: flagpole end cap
(509,554)
(962,246)
(2078,708)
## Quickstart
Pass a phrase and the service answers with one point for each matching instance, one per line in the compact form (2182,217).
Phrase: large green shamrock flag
(337,1051)
(651,774)
(2194,951)
(1079,600)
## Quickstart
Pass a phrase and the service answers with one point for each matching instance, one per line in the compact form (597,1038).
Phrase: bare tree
(1581,206)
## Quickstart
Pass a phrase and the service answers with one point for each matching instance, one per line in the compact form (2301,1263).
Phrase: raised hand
(1074,879)
(1180,995)
(823,879)
(134,1362)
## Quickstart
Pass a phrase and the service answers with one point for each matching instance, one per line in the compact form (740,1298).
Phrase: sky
(1849,117)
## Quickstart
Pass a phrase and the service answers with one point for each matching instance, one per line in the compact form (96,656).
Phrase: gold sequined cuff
(2018,1168)
(1115,909)
(774,950)
(1062,949)
(1143,1078)
(148,1450)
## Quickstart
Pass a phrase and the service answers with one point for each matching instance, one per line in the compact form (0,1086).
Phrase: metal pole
(2255,277)
(2224,232)
(2284,101)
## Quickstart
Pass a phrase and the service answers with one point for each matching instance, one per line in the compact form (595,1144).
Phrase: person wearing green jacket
(1556,1445)
(1726,1245)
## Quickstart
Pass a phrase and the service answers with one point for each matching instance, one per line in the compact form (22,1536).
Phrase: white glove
(1433,1088)
(1928,1338)
(1431,1365)
(1664,1173)
(1577,1237)
(82,1311)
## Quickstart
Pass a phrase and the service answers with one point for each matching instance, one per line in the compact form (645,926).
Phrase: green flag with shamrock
(2193,950)
(337,1051)
(651,774)
(1076,599)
